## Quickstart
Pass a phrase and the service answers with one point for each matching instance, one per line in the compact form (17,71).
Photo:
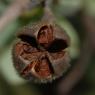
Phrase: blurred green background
(67,14)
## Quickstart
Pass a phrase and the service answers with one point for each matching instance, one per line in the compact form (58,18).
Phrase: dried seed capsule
(41,54)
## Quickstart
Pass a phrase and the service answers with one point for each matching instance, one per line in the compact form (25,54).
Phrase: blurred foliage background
(67,14)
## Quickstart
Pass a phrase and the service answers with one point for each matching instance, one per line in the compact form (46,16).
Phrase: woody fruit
(41,53)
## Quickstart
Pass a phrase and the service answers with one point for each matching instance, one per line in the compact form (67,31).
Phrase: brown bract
(41,54)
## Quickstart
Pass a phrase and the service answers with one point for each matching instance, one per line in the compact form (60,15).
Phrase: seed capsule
(41,54)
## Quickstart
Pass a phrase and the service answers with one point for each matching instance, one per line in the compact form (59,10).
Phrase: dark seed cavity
(57,45)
